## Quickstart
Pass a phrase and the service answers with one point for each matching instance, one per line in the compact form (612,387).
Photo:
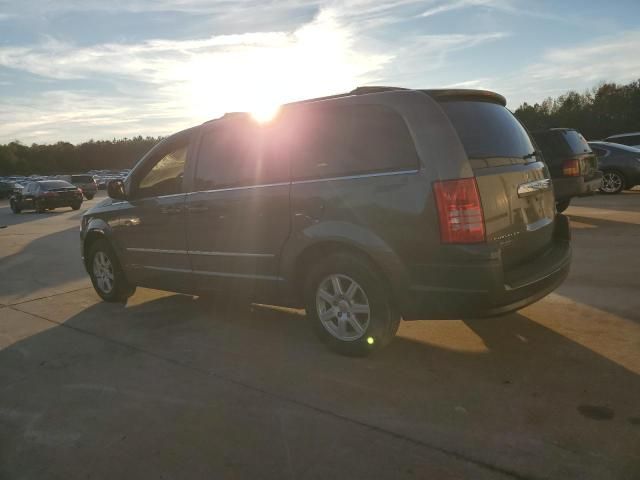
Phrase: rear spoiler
(466,94)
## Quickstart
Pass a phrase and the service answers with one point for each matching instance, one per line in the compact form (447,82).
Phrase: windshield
(82,178)
(488,130)
(617,146)
(53,184)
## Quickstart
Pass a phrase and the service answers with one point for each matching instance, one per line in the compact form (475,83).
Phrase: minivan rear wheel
(106,274)
(349,306)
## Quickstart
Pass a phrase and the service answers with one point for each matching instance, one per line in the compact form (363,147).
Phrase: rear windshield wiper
(529,155)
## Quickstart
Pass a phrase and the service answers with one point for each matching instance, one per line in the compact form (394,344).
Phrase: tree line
(64,157)
(597,113)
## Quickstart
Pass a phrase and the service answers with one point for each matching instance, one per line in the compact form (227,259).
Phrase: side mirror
(115,190)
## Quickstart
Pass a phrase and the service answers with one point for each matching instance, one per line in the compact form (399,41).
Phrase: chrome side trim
(536,186)
(231,254)
(352,177)
(166,269)
(156,250)
(237,275)
(213,274)
(246,187)
(196,252)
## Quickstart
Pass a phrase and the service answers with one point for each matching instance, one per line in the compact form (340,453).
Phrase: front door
(238,212)
(151,229)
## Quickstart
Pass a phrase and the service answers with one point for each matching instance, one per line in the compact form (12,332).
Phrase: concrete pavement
(170,386)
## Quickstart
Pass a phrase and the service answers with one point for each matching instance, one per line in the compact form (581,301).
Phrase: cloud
(184,81)
(460,4)
(579,67)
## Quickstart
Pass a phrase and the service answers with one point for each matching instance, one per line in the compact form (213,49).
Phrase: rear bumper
(486,289)
(62,202)
(567,187)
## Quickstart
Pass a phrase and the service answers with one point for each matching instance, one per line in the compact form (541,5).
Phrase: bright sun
(265,113)
(257,73)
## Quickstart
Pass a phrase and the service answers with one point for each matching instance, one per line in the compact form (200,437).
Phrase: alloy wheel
(343,307)
(611,182)
(103,272)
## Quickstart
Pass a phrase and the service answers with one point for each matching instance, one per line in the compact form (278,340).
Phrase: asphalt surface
(171,386)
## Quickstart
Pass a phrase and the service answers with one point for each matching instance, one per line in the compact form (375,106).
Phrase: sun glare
(265,113)
(261,71)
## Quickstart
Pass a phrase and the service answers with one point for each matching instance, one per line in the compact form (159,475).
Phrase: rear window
(82,178)
(488,130)
(576,142)
(53,184)
(626,140)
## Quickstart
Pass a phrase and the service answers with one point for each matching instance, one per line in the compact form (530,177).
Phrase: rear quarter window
(349,140)
(487,129)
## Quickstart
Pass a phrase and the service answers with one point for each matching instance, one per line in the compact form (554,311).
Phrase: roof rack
(436,93)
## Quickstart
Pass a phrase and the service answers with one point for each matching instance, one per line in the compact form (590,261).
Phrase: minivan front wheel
(106,275)
(349,306)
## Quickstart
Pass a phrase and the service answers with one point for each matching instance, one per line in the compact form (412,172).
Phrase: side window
(240,154)
(350,140)
(165,177)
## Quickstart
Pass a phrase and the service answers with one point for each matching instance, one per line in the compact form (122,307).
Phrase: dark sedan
(620,165)
(46,195)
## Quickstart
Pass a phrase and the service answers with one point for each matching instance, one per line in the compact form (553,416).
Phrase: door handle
(197,209)
(170,210)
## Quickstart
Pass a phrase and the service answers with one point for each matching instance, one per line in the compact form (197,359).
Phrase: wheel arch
(385,264)
(96,229)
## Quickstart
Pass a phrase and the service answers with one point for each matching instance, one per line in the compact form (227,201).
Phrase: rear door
(514,184)
(238,211)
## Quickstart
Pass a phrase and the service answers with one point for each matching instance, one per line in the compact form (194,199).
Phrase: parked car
(620,166)
(364,208)
(46,195)
(6,188)
(573,166)
(87,184)
(629,139)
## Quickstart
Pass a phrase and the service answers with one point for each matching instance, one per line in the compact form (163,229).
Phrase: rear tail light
(460,211)
(571,167)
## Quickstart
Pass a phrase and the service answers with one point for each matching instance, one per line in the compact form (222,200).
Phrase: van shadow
(46,264)
(526,390)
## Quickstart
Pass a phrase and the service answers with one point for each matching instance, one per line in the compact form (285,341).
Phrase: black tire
(120,289)
(89,196)
(562,205)
(40,208)
(14,207)
(613,182)
(383,318)
(76,206)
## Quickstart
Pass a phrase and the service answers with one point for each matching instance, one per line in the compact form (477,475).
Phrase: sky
(74,70)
